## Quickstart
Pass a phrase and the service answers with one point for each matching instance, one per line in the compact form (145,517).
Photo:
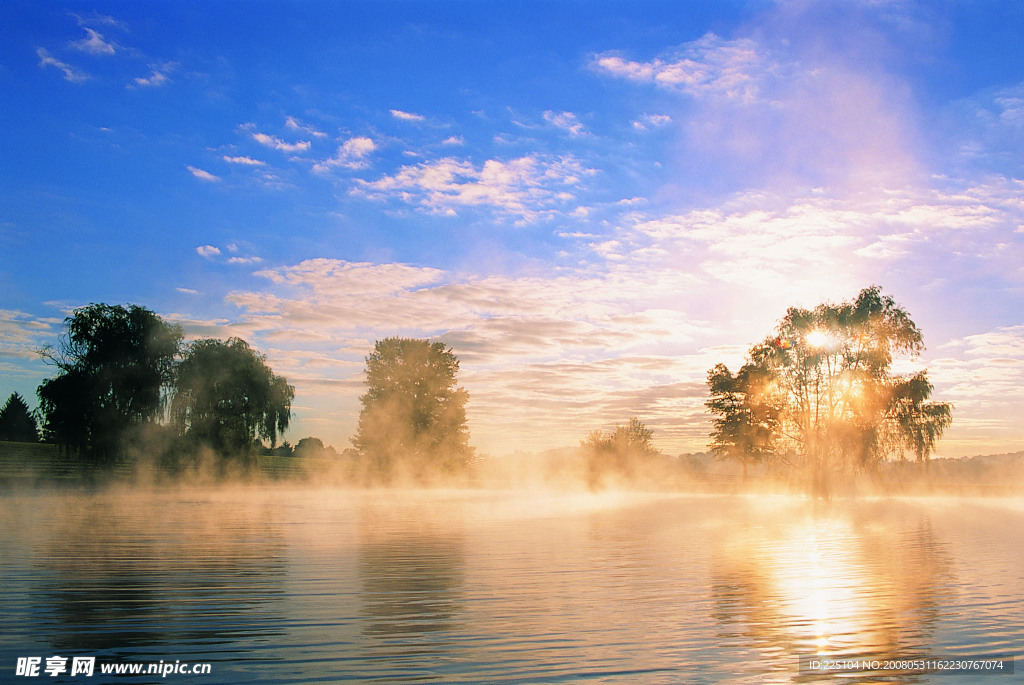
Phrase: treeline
(817,400)
(127,387)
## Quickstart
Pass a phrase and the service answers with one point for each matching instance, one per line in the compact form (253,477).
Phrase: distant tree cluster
(617,455)
(122,371)
(819,393)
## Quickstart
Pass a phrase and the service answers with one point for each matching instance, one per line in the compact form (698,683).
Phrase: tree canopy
(16,421)
(227,397)
(413,416)
(114,366)
(820,394)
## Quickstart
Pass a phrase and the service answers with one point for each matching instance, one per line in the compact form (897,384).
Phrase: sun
(817,338)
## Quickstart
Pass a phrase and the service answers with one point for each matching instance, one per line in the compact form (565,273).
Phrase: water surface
(484,586)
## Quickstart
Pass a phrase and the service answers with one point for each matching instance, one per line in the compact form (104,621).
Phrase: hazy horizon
(591,204)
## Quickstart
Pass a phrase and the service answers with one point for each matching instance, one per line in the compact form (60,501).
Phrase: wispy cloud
(279,144)
(527,187)
(22,334)
(648,121)
(94,43)
(158,76)
(567,121)
(709,66)
(70,73)
(203,174)
(246,161)
(407,116)
(293,124)
(351,154)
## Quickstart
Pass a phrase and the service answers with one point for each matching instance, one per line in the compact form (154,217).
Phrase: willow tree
(114,367)
(820,391)
(226,397)
(413,418)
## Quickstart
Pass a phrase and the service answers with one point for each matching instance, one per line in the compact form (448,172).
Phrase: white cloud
(709,66)
(245,260)
(566,121)
(208,251)
(527,187)
(187,291)
(202,174)
(70,73)
(293,124)
(94,44)
(247,161)
(158,76)
(22,334)
(453,140)
(407,116)
(652,121)
(351,154)
(279,144)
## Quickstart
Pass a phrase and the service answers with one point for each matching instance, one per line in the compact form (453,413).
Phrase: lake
(288,585)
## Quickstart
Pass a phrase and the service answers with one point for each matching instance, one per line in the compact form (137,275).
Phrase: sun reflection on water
(825,583)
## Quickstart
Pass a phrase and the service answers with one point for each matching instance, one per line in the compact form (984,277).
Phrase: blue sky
(592,203)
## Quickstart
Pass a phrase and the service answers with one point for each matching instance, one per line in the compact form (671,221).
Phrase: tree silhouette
(413,417)
(821,389)
(16,421)
(226,397)
(114,366)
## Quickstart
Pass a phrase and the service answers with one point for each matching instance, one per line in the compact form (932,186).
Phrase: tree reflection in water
(411,570)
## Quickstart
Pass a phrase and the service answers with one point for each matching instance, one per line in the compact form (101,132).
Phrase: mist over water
(333,585)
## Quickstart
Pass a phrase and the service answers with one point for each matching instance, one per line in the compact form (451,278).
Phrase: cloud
(22,334)
(279,144)
(208,251)
(94,44)
(453,140)
(566,121)
(708,66)
(70,73)
(528,187)
(247,161)
(648,121)
(158,76)
(187,291)
(244,260)
(776,107)
(293,124)
(407,116)
(202,175)
(351,154)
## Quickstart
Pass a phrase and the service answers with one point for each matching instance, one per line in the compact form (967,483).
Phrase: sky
(591,203)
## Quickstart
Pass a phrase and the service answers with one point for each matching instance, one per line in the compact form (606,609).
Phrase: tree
(114,366)
(16,421)
(413,416)
(227,397)
(747,411)
(822,389)
(617,454)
